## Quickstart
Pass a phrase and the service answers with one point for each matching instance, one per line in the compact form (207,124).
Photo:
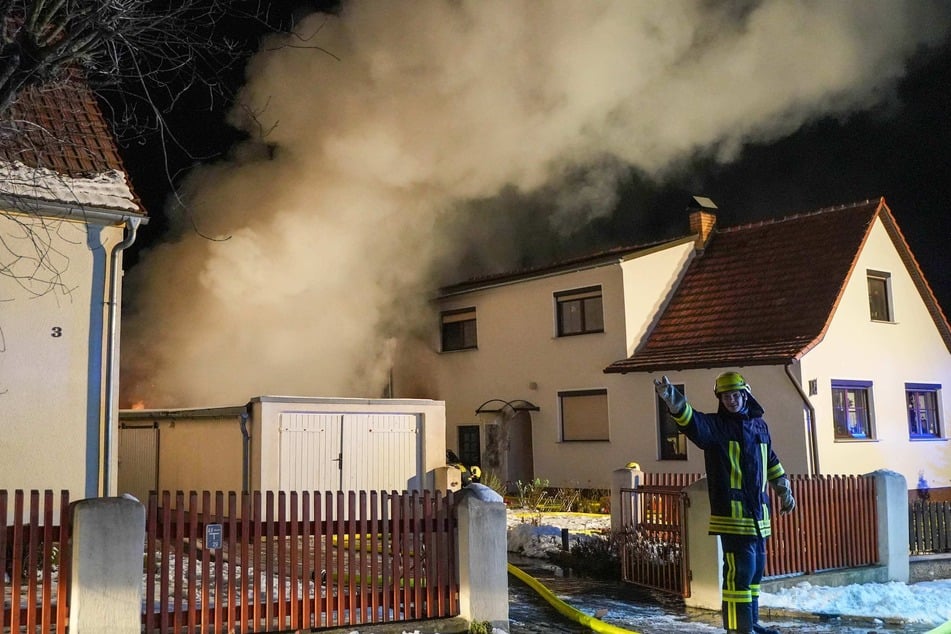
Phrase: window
(673,443)
(459,329)
(584,415)
(850,409)
(879,296)
(470,452)
(579,311)
(923,417)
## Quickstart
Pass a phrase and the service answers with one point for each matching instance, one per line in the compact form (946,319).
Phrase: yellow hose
(593,624)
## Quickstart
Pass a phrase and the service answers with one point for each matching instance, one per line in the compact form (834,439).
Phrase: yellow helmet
(729,381)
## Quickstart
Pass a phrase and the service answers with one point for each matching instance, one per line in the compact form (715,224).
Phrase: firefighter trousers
(744,559)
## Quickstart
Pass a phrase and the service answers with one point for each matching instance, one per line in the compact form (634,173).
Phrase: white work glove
(787,503)
(675,401)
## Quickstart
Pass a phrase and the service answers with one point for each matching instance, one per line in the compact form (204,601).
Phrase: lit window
(579,311)
(584,415)
(673,443)
(879,296)
(459,329)
(850,409)
(923,417)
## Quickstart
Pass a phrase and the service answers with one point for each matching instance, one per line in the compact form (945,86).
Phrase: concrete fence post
(106,565)
(483,557)
(891,498)
(624,478)
(704,551)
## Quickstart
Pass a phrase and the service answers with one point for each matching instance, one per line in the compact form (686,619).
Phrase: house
(67,212)
(549,372)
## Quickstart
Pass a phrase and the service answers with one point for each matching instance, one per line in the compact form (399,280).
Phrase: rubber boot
(762,629)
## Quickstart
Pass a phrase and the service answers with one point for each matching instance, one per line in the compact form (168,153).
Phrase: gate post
(483,557)
(106,564)
(624,478)
(891,500)
(703,551)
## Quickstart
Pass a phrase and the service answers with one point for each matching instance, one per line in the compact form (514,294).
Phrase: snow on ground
(535,535)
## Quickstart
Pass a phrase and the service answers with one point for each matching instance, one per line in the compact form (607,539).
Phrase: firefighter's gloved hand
(787,503)
(675,401)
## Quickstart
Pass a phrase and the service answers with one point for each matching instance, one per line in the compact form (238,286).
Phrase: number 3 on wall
(57,331)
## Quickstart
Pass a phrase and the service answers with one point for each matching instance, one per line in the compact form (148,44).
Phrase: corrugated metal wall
(349,452)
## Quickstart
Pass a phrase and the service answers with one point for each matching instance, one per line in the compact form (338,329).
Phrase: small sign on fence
(213,536)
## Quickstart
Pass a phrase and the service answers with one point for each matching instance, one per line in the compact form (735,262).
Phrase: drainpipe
(132,224)
(245,453)
(810,423)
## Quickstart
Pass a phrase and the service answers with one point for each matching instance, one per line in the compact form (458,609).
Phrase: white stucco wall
(46,332)
(519,356)
(909,349)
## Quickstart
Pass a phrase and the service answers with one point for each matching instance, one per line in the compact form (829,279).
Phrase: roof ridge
(801,215)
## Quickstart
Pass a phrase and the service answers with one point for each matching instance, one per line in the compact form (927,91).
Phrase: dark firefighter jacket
(739,460)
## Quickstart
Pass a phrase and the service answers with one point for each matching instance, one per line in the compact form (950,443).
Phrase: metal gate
(653,539)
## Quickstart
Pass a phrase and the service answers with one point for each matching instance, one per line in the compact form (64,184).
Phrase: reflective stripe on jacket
(740,461)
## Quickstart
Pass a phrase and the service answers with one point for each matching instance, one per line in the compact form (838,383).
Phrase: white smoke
(382,118)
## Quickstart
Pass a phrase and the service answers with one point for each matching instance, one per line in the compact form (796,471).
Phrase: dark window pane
(673,444)
(878,298)
(580,312)
(469,450)
(593,315)
(459,335)
(923,414)
(570,318)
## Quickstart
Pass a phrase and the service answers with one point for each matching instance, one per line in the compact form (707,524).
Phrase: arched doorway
(508,440)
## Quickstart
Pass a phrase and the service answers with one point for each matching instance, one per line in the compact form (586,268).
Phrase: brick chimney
(703,219)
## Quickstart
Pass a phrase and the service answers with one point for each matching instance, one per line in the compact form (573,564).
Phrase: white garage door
(349,452)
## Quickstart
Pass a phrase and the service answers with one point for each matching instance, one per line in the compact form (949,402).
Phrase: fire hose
(592,623)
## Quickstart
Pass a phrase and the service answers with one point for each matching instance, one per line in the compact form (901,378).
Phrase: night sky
(899,150)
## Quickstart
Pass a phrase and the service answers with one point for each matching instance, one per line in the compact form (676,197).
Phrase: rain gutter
(245,451)
(810,422)
(131,223)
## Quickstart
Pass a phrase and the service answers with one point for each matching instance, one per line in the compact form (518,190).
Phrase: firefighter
(739,461)
(469,474)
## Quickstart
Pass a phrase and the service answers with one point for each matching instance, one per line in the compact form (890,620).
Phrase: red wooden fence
(835,525)
(34,542)
(256,562)
(248,562)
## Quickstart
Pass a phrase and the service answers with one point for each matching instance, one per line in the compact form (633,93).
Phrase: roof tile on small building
(759,294)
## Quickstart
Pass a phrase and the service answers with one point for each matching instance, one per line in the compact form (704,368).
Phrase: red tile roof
(764,293)
(59,127)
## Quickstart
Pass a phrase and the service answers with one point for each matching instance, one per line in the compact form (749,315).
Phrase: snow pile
(537,535)
(926,602)
(107,190)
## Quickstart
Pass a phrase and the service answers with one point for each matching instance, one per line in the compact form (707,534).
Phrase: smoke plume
(368,128)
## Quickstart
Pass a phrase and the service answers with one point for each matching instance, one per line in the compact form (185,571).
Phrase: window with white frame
(924,420)
(579,311)
(673,442)
(458,329)
(584,415)
(880,296)
(851,410)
